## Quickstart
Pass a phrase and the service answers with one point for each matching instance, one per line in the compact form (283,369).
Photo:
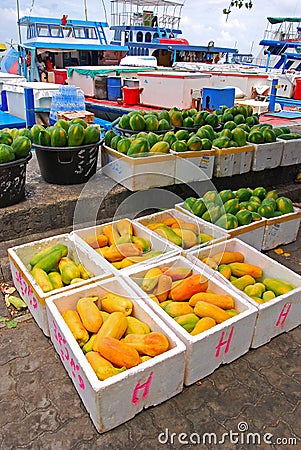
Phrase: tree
(237,4)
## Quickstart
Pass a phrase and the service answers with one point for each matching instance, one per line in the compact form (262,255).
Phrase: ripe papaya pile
(111,337)
(185,297)
(179,232)
(228,209)
(247,277)
(65,133)
(14,144)
(119,245)
(52,269)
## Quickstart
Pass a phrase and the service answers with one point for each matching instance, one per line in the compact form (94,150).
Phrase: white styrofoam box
(42,93)
(28,288)
(203,226)
(168,89)
(276,316)
(251,234)
(291,152)
(233,160)
(194,166)
(138,173)
(157,243)
(281,230)
(119,398)
(267,156)
(221,344)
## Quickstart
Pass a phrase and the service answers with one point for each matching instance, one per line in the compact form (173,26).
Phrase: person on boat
(155,22)
(48,64)
(64,20)
(42,67)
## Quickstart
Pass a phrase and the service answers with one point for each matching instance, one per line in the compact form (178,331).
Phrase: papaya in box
(23,258)
(123,389)
(129,243)
(207,349)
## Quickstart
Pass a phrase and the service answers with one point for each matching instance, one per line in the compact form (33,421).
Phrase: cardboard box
(233,160)
(275,316)
(203,226)
(87,116)
(194,166)
(114,401)
(139,173)
(291,152)
(157,244)
(267,156)
(221,344)
(281,230)
(28,288)
(251,234)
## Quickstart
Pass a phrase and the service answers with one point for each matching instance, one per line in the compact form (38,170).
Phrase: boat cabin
(66,42)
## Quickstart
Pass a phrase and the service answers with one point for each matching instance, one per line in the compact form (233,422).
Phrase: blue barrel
(114,88)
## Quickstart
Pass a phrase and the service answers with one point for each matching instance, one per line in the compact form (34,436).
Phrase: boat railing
(128,18)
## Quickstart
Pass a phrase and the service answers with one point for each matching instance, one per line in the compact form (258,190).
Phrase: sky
(202,21)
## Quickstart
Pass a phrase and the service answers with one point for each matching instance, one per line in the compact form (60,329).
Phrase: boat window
(148,37)
(139,36)
(131,36)
(56,31)
(79,32)
(90,33)
(30,31)
(155,35)
(43,30)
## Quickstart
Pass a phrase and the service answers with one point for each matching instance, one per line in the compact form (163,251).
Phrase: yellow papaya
(242,282)
(187,321)
(151,344)
(88,347)
(175,309)
(228,257)
(203,324)
(225,270)
(163,287)
(124,226)
(76,326)
(118,252)
(150,279)
(205,309)
(143,243)
(188,287)
(154,298)
(115,326)
(279,287)
(178,272)
(189,238)
(101,368)
(136,326)
(222,300)
(268,295)
(42,279)
(167,233)
(68,270)
(89,313)
(119,353)
(126,262)
(102,250)
(112,302)
(111,233)
(56,280)
(255,290)
(241,269)
(84,273)
(204,237)
(76,280)
(210,262)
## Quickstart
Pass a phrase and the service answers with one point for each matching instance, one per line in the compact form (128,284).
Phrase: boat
(152,28)
(67,42)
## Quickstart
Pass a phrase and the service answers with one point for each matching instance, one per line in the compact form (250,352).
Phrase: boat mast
(18,17)
(86,10)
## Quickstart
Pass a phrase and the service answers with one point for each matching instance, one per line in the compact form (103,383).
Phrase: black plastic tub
(67,165)
(12,181)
